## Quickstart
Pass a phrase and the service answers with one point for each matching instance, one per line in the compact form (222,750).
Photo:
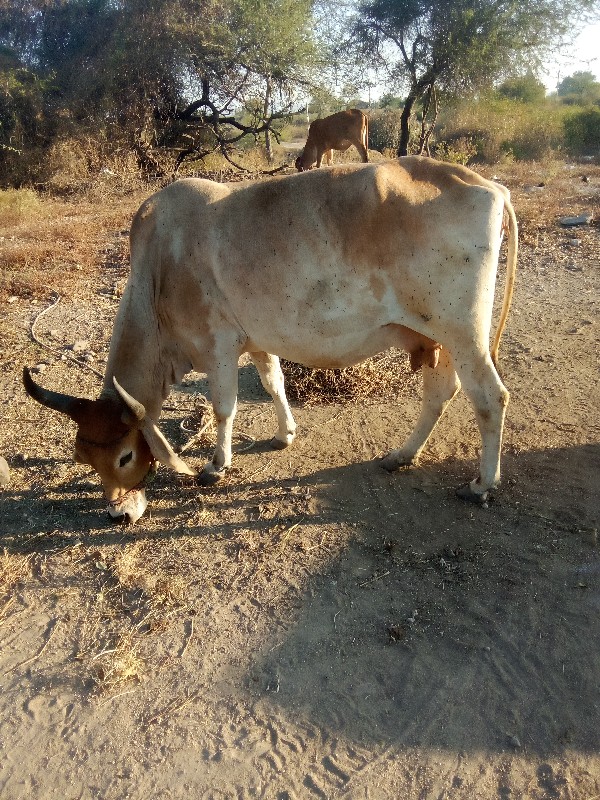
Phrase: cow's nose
(119,516)
(130,509)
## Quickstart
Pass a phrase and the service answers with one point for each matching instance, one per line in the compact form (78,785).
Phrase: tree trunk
(405,124)
(266,107)
(427,130)
(432,124)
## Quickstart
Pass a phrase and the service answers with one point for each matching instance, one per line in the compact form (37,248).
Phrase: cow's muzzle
(130,506)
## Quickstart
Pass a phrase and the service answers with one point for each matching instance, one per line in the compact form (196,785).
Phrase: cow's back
(359,245)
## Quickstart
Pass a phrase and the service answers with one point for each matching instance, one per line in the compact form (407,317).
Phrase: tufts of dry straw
(386,374)
(117,667)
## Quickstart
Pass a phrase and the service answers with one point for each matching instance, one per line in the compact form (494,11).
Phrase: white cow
(325,268)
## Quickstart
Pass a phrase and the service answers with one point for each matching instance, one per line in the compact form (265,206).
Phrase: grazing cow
(337,132)
(326,269)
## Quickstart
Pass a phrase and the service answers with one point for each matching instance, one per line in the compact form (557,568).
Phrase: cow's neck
(137,354)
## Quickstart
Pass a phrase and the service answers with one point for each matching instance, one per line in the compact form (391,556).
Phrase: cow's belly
(325,323)
(346,348)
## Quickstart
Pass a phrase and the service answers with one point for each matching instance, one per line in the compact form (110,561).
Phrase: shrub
(18,205)
(582,131)
(494,129)
(384,130)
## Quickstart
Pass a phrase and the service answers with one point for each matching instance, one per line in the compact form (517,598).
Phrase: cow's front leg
(272,379)
(223,381)
(440,384)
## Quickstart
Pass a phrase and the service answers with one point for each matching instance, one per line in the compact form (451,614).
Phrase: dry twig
(54,349)
(188,640)
(53,625)
(170,709)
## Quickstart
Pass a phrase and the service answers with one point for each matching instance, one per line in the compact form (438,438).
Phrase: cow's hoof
(210,475)
(395,461)
(466,493)
(277,444)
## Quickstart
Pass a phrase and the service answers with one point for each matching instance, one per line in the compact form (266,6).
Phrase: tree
(580,88)
(459,46)
(190,75)
(523,88)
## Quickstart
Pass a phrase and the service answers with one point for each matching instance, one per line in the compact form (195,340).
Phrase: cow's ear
(162,450)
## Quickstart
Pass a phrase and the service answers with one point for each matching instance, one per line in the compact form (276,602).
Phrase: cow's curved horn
(136,408)
(65,403)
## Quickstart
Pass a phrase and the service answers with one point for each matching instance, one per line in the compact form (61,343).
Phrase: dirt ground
(314,627)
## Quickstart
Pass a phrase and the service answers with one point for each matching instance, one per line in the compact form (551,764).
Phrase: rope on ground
(54,349)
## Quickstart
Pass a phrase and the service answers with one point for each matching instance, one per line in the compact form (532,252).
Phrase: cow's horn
(136,408)
(65,403)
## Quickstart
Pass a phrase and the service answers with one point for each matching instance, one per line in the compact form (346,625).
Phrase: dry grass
(157,589)
(138,593)
(14,568)
(544,191)
(117,668)
(19,205)
(49,244)
(386,374)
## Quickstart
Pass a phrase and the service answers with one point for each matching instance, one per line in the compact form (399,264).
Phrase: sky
(582,56)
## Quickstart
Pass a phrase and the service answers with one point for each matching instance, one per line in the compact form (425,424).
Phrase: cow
(336,132)
(323,268)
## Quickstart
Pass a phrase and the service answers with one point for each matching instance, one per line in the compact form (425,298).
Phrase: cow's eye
(125,459)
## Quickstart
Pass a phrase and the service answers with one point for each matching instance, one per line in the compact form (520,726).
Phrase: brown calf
(336,132)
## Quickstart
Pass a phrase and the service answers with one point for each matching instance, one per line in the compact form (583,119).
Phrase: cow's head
(117,438)
(308,157)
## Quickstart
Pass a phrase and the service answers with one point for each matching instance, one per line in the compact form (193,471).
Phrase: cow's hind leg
(440,384)
(489,398)
(272,379)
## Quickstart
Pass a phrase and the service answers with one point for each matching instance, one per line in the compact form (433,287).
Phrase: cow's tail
(367,136)
(511,268)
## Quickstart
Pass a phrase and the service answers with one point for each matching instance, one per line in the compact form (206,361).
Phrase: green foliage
(524,88)
(582,131)
(579,89)
(25,125)
(495,129)
(150,74)
(390,101)
(461,150)
(460,46)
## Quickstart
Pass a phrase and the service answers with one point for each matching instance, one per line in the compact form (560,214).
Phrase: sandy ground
(315,627)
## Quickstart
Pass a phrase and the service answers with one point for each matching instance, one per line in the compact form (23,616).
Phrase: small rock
(80,346)
(582,219)
(574,242)
(13,298)
(54,334)
(513,740)
(4,472)
(41,367)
